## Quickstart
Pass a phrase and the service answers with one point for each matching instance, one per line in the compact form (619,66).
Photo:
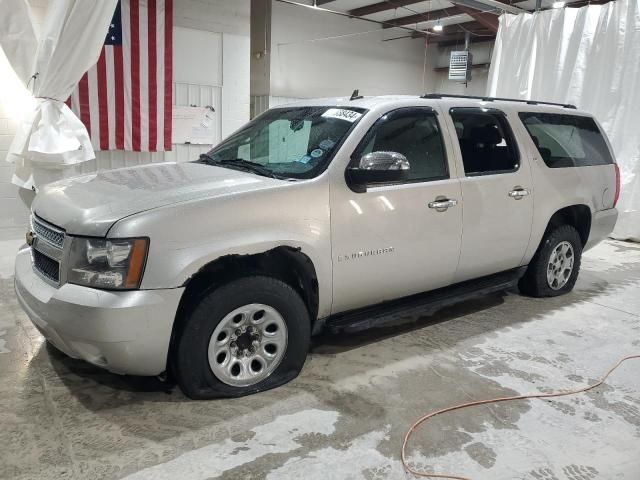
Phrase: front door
(497,191)
(400,239)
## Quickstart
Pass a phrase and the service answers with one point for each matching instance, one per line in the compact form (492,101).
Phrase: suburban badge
(365,253)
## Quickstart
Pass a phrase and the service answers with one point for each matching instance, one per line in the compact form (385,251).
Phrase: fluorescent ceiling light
(558,4)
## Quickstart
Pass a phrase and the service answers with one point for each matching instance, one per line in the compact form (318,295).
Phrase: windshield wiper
(241,163)
(251,166)
(208,159)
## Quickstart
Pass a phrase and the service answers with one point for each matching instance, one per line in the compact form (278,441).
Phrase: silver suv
(321,214)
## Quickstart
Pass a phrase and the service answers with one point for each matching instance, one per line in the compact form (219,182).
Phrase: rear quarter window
(567,140)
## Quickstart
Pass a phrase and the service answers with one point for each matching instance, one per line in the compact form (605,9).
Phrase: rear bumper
(124,332)
(602,224)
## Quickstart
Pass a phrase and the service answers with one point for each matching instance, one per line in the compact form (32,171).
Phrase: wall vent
(460,66)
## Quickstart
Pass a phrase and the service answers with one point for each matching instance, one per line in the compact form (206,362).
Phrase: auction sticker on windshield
(342,114)
(326,144)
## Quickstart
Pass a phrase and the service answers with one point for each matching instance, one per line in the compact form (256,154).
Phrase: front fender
(187,236)
(189,261)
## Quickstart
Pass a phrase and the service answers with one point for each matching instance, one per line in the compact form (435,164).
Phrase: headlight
(109,264)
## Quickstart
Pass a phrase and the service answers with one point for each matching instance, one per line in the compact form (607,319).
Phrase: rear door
(497,192)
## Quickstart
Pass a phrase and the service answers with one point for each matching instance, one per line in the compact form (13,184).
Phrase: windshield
(294,142)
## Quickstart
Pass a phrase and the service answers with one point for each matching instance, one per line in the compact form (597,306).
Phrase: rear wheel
(554,268)
(247,336)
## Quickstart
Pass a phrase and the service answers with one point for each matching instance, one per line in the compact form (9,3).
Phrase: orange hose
(418,422)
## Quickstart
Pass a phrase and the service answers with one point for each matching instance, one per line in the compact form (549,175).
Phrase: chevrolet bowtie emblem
(30,238)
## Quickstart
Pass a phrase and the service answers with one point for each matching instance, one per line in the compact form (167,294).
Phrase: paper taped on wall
(193,125)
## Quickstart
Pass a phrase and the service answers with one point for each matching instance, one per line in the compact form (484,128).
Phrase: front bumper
(124,332)
(602,225)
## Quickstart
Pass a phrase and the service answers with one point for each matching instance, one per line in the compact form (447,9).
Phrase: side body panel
(557,188)
(187,236)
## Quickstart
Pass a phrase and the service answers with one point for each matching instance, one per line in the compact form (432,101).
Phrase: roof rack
(491,99)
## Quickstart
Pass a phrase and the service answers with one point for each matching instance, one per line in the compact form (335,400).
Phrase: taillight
(617,195)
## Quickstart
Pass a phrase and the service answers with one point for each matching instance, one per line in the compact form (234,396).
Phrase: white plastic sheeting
(17,37)
(589,57)
(51,136)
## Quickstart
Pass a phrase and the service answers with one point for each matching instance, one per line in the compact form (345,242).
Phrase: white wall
(476,86)
(303,61)
(11,207)
(211,67)
(335,67)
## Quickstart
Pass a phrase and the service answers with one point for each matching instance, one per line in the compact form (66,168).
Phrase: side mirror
(378,167)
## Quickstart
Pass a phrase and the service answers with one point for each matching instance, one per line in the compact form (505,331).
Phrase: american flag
(125,99)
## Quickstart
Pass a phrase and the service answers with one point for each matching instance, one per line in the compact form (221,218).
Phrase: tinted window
(414,133)
(567,140)
(486,141)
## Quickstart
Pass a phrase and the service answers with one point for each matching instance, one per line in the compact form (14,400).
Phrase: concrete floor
(345,416)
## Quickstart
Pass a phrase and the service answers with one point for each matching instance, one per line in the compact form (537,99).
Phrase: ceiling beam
(500,5)
(423,17)
(582,3)
(381,7)
(459,29)
(457,39)
(475,27)
(487,20)
(506,5)
(472,25)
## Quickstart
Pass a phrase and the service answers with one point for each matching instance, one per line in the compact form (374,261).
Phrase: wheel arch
(288,264)
(577,216)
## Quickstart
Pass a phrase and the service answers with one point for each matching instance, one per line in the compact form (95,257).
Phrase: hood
(91,204)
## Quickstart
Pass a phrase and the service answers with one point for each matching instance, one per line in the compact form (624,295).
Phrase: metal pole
(538,5)
(467,39)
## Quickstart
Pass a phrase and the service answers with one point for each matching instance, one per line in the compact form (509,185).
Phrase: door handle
(518,193)
(442,204)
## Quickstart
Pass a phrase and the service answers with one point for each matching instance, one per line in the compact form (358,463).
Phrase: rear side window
(486,141)
(567,140)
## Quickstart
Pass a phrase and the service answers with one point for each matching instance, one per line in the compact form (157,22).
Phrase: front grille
(48,232)
(46,266)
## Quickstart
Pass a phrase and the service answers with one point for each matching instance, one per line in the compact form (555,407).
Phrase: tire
(536,282)
(194,362)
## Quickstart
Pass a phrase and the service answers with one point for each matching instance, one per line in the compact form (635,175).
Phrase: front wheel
(247,336)
(554,268)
